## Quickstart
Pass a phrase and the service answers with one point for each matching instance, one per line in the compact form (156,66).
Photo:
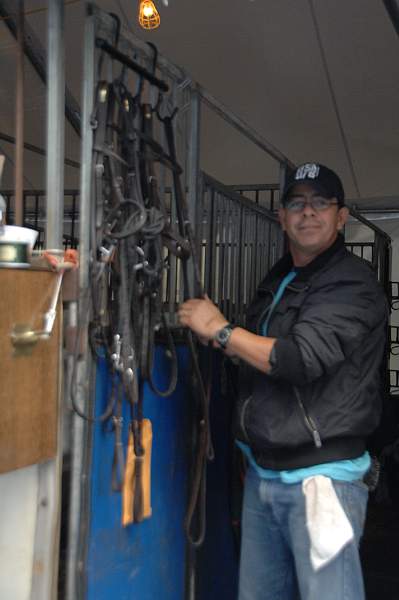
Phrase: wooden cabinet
(29,381)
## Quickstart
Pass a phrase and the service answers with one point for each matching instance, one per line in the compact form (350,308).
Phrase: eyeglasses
(317,203)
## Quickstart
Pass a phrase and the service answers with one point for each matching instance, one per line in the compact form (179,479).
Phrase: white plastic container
(13,233)
(16,245)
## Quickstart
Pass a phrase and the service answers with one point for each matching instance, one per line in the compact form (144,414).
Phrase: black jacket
(322,397)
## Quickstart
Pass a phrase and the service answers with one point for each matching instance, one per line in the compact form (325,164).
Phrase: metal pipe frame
(37,57)
(47,532)
(37,150)
(55,125)
(80,447)
(243,127)
(19,121)
(392,7)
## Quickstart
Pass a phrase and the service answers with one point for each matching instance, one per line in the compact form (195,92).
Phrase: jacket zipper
(309,423)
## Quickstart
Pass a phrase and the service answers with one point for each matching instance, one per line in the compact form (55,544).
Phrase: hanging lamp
(148,15)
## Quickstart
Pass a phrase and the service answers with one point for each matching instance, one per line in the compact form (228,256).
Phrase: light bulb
(148,15)
(148,10)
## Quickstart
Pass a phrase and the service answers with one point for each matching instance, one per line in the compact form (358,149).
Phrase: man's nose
(308,208)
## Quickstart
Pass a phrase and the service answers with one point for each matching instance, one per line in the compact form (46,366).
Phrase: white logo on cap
(310,171)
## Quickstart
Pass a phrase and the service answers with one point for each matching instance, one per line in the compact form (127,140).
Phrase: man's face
(311,230)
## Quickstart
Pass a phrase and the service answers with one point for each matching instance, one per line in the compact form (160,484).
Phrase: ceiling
(318,79)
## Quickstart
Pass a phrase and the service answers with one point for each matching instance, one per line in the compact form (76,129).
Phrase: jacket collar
(285,264)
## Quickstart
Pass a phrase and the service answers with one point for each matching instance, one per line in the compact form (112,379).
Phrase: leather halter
(131,228)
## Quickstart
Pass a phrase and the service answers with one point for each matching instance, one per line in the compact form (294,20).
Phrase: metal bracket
(23,337)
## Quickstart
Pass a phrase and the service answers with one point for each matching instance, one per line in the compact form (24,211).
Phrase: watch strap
(223,335)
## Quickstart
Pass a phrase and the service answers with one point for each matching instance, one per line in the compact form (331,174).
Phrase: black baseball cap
(320,177)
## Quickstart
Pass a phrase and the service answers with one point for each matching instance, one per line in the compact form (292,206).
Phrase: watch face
(222,336)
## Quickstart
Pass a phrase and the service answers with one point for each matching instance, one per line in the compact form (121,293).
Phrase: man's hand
(205,319)
(202,317)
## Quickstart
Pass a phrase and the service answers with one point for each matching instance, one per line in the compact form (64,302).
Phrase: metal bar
(234,196)
(46,550)
(254,187)
(131,64)
(392,7)
(55,125)
(216,262)
(193,172)
(271,202)
(240,262)
(282,177)
(233,235)
(36,54)
(36,210)
(256,254)
(250,259)
(212,241)
(193,175)
(37,150)
(78,478)
(224,257)
(19,145)
(223,112)
(138,45)
(73,218)
(369,224)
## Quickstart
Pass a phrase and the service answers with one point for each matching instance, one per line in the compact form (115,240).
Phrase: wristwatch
(223,335)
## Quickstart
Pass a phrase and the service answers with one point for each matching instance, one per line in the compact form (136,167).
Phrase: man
(310,396)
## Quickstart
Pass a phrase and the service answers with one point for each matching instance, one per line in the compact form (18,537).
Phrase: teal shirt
(342,470)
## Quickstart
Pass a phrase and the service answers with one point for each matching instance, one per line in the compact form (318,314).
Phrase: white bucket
(21,235)
(16,245)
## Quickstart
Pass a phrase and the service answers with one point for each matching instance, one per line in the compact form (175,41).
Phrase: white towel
(328,526)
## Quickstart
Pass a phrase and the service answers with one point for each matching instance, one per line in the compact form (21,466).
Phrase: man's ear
(343,215)
(281,218)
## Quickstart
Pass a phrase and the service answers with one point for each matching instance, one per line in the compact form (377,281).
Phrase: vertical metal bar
(19,126)
(217,239)
(240,262)
(202,229)
(234,265)
(251,261)
(73,218)
(36,210)
(197,190)
(174,272)
(194,153)
(46,549)
(226,219)
(270,245)
(282,175)
(78,477)
(55,125)
(193,175)
(255,254)
(250,255)
(271,205)
(265,249)
(86,153)
(224,257)
(8,209)
(210,241)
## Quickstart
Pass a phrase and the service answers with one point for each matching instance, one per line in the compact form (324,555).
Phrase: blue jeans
(275,550)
